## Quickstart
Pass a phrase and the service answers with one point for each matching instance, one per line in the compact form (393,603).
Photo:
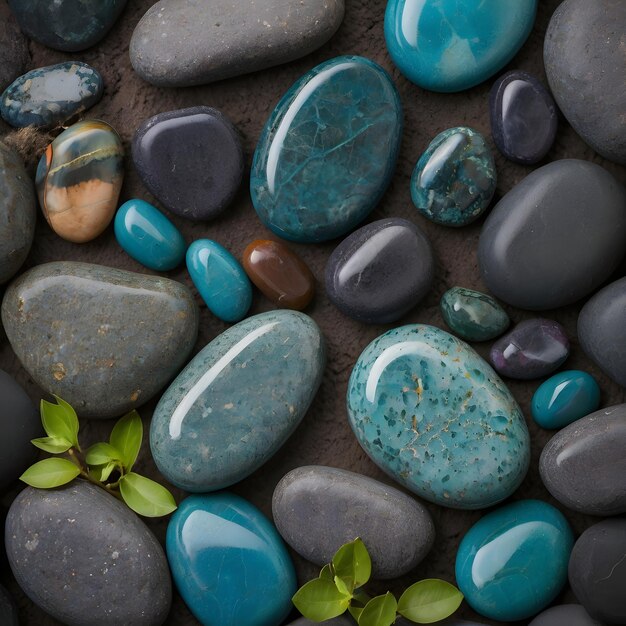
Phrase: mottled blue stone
(238,401)
(50,95)
(328,151)
(148,236)
(220,279)
(452,45)
(513,562)
(455,179)
(434,416)
(565,398)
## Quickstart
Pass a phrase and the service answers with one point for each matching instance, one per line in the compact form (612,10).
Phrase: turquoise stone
(229,563)
(220,279)
(452,45)
(455,179)
(148,236)
(565,398)
(513,562)
(238,401)
(472,315)
(328,151)
(435,416)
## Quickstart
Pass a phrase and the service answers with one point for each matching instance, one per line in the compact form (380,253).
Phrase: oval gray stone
(318,509)
(179,43)
(582,466)
(542,247)
(80,554)
(105,340)
(565,615)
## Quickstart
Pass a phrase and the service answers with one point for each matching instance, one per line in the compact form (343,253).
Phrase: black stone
(565,615)
(14,55)
(8,610)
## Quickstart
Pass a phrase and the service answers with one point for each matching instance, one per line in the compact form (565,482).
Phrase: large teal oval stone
(513,562)
(435,416)
(237,401)
(452,45)
(328,151)
(229,563)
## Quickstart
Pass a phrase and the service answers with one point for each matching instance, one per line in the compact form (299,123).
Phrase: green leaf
(355,611)
(379,611)
(53,445)
(146,497)
(102,454)
(50,473)
(352,564)
(126,436)
(60,420)
(341,585)
(327,573)
(319,600)
(102,472)
(429,601)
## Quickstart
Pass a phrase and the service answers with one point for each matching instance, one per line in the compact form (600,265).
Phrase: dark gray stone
(585,60)
(14,55)
(381,271)
(318,509)
(582,465)
(597,571)
(565,615)
(84,557)
(8,610)
(105,340)
(179,43)
(543,247)
(342,620)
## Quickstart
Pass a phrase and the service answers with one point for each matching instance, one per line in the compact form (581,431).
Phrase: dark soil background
(324,437)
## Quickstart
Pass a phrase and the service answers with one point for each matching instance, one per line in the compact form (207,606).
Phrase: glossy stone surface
(381,271)
(14,55)
(191,160)
(79,179)
(524,118)
(472,315)
(447,45)
(541,268)
(597,571)
(8,610)
(280,274)
(122,577)
(581,466)
(237,401)
(179,43)
(602,331)
(318,509)
(229,563)
(328,151)
(455,179)
(48,96)
(220,279)
(533,349)
(18,212)
(565,398)
(565,615)
(148,236)
(513,562)
(585,39)
(134,332)
(434,416)
(67,25)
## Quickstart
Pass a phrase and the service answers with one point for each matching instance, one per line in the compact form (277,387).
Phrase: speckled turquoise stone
(513,562)
(434,416)
(565,398)
(455,179)
(472,315)
(237,401)
(452,45)
(229,563)
(328,151)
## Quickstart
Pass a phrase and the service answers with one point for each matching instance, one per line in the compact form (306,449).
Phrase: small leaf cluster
(340,588)
(108,465)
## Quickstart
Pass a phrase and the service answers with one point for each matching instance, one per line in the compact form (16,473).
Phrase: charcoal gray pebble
(8,610)
(565,615)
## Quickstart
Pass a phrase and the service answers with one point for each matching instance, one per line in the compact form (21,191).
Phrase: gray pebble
(565,615)
(8,610)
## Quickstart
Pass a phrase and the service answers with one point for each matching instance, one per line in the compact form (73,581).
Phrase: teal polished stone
(452,45)
(472,315)
(328,151)
(229,563)
(148,236)
(455,179)
(220,279)
(513,562)
(434,416)
(238,401)
(565,398)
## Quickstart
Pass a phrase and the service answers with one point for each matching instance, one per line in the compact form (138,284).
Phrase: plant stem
(85,474)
